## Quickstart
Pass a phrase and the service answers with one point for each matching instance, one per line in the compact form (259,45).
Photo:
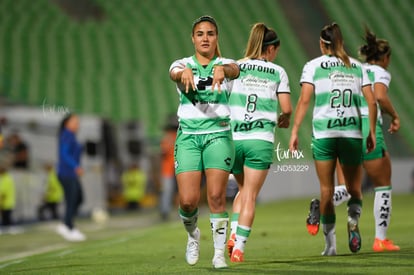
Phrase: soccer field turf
(279,244)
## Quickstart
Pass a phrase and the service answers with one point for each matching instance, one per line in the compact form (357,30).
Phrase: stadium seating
(117,67)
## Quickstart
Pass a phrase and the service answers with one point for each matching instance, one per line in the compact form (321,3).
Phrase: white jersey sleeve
(308,73)
(284,82)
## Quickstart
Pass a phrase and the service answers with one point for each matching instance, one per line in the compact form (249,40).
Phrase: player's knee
(188,206)
(216,201)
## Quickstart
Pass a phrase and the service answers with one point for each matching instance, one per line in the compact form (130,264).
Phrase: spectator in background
(69,172)
(168,182)
(20,151)
(53,194)
(134,182)
(7,198)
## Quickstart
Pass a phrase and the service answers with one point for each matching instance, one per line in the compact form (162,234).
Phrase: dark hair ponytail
(374,49)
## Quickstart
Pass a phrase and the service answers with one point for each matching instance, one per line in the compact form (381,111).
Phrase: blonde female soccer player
(376,54)
(336,81)
(204,141)
(253,103)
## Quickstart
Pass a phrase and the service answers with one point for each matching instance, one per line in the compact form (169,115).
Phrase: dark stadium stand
(117,66)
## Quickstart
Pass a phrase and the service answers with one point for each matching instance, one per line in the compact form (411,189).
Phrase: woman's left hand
(218,77)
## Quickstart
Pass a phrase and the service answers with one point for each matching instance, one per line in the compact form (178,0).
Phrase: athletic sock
(234,221)
(354,208)
(219,223)
(329,232)
(382,211)
(340,195)
(242,234)
(189,220)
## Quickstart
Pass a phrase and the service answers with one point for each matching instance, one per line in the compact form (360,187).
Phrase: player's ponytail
(331,36)
(260,38)
(374,49)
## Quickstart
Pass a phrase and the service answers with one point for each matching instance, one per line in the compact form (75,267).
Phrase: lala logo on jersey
(244,127)
(341,122)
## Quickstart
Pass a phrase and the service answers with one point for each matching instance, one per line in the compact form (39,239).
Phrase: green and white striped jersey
(338,93)
(376,74)
(203,111)
(253,100)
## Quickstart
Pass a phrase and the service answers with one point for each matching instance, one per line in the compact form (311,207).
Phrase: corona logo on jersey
(254,67)
(329,64)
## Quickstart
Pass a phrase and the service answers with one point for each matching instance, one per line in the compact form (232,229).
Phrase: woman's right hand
(187,78)
(294,142)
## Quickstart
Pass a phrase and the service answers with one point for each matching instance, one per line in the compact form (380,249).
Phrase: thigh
(189,186)
(188,153)
(253,182)
(218,151)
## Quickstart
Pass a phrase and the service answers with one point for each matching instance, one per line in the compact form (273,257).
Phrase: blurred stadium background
(108,61)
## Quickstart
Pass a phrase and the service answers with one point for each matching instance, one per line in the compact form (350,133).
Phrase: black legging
(73,199)
(6,219)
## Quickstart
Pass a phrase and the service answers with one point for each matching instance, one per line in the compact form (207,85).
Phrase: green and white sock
(242,234)
(382,211)
(219,223)
(189,220)
(234,221)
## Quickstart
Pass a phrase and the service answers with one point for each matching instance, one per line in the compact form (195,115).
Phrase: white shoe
(193,248)
(219,261)
(76,236)
(63,231)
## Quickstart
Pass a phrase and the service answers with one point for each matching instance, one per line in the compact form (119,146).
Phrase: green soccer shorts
(380,148)
(255,154)
(347,150)
(197,152)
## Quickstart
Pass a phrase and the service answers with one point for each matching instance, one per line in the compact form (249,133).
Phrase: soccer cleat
(312,221)
(193,248)
(219,261)
(329,251)
(384,245)
(237,256)
(230,244)
(353,235)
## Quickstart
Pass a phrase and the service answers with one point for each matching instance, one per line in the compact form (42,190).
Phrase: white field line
(31,253)
(11,263)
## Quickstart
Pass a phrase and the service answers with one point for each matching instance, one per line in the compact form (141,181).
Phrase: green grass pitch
(279,244)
